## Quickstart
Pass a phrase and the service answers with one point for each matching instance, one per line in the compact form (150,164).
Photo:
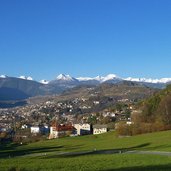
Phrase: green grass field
(62,154)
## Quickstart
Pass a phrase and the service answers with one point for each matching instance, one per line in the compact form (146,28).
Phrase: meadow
(93,152)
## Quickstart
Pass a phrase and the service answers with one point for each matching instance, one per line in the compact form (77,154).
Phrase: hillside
(105,95)
(151,115)
(122,90)
(157,108)
(12,88)
(58,154)
(14,91)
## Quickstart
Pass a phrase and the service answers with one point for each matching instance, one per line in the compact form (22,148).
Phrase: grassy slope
(160,141)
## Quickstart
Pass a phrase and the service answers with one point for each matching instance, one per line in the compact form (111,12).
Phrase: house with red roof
(61,130)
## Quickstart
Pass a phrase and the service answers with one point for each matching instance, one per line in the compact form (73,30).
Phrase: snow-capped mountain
(98,78)
(110,78)
(25,78)
(23,87)
(64,81)
(149,80)
(165,80)
(101,79)
(44,81)
(3,76)
(64,77)
(84,78)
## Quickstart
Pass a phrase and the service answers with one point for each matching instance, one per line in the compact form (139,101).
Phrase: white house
(35,129)
(39,129)
(83,129)
(99,129)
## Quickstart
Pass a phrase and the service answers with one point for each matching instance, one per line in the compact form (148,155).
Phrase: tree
(106,120)
(92,120)
(164,111)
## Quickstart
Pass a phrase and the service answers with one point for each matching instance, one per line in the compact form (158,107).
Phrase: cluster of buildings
(61,130)
(35,119)
(28,133)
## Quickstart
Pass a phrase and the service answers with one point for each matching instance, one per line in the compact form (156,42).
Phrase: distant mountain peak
(110,77)
(84,78)
(29,78)
(149,80)
(26,78)
(3,76)
(44,81)
(64,77)
(100,78)
(165,80)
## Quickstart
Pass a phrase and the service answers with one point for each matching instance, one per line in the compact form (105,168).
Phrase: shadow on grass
(11,151)
(21,169)
(22,152)
(8,146)
(143,168)
(95,152)
(133,168)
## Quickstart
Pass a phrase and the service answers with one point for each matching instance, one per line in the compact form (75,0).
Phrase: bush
(124,129)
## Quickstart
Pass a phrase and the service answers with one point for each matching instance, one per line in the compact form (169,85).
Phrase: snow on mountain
(26,78)
(44,81)
(3,76)
(23,77)
(98,78)
(149,80)
(135,79)
(84,78)
(64,77)
(29,78)
(165,80)
(109,77)
(101,79)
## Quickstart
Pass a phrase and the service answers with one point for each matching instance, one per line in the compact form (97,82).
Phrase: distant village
(50,119)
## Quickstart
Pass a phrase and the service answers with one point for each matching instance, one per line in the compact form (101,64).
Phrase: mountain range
(12,88)
(99,79)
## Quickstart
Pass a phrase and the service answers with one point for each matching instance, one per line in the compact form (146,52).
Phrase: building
(99,129)
(61,130)
(42,129)
(82,129)
(35,129)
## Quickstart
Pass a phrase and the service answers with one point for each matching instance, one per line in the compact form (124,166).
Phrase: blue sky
(43,38)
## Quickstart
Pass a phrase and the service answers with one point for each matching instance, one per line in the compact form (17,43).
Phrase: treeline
(152,114)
